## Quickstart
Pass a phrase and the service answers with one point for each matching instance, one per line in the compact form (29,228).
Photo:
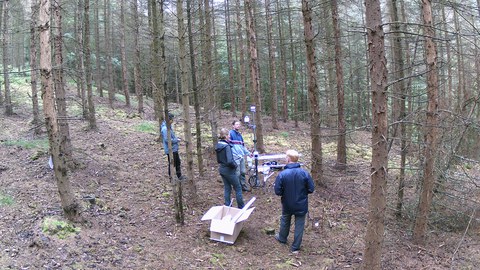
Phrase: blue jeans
(285,222)
(241,171)
(230,179)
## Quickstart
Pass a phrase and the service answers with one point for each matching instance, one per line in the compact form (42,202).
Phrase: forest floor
(131,224)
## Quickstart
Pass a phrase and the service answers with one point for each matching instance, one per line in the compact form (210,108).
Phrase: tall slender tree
(184,78)
(195,89)
(378,171)
(137,61)
(123,51)
(342,129)
(255,74)
(98,65)
(272,66)
(92,120)
(315,131)
(6,57)
(70,206)
(431,129)
(33,67)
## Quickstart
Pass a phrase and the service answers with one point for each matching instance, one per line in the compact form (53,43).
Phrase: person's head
(292,156)
(170,117)
(236,124)
(224,134)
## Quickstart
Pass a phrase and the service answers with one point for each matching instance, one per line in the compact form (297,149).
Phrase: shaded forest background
(211,56)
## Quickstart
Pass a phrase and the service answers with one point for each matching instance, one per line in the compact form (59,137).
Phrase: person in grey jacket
(239,152)
(174,141)
(293,184)
(228,169)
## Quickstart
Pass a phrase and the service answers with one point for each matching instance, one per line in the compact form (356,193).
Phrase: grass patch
(59,228)
(146,127)
(6,199)
(28,144)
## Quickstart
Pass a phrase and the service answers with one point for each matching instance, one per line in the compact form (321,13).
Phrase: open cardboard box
(227,222)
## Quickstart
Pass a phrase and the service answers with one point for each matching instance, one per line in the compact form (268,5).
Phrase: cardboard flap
(212,212)
(245,215)
(222,226)
(243,210)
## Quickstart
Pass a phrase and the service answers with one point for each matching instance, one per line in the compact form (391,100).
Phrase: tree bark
(378,72)
(123,51)
(69,204)
(231,72)
(315,128)
(196,101)
(272,65)
(92,121)
(33,67)
(137,61)
(182,50)
(98,71)
(430,137)
(341,163)
(255,75)
(6,58)
(294,66)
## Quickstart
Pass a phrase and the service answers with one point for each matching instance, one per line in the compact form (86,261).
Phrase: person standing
(293,184)
(239,152)
(228,168)
(174,141)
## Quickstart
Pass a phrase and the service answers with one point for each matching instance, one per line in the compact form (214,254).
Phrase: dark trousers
(176,164)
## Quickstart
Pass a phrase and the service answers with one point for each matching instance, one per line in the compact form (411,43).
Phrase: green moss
(6,199)
(59,228)
(28,144)
(146,127)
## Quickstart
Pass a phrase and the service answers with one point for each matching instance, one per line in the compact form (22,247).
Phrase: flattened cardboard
(227,222)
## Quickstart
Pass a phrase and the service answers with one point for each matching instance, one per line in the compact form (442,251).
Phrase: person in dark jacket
(293,184)
(228,168)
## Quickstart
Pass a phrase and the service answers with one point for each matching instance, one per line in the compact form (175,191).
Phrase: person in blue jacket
(174,141)
(228,168)
(293,184)
(239,152)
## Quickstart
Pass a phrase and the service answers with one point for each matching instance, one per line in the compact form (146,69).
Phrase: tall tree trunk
(98,71)
(137,65)
(231,72)
(158,60)
(108,53)
(294,66)
(378,72)
(33,67)
(283,64)
(273,69)
(421,221)
(196,101)
(70,206)
(6,57)
(341,163)
(184,80)
(210,76)
(399,101)
(255,75)
(81,81)
(182,50)
(92,121)
(123,51)
(315,128)
(59,83)
(243,66)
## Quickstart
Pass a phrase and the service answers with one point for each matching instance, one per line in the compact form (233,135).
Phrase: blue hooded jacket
(294,184)
(173,138)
